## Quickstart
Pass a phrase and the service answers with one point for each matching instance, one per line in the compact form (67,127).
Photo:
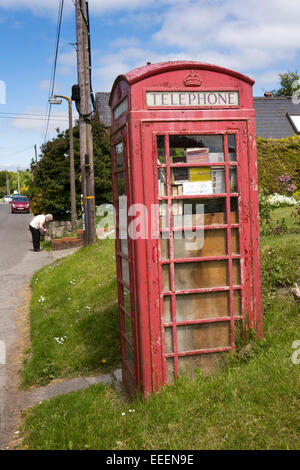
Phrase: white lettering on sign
(192,98)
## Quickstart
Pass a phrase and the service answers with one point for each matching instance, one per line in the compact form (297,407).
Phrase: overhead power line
(27,114)
(45,118)
(33,117)
(53,74)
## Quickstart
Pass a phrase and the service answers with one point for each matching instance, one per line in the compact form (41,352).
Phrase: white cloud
(44,85)
(230,33)
(35,120)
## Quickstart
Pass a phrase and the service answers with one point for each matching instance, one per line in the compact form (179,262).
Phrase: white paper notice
(197,187)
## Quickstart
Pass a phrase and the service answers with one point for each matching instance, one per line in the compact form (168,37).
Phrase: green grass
(251,403)
(74,299)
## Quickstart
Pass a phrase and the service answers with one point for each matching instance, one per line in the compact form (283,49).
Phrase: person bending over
(37,224)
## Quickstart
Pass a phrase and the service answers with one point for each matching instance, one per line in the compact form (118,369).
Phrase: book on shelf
(200,174)
(177,204)
(178,175)
(177,152)
(177,207)
(197,155)
(197,188)
(179,159)
(162,183)
(218,180)
(176,189)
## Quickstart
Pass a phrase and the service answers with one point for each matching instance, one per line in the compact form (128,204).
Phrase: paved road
(14,237)
(18,262)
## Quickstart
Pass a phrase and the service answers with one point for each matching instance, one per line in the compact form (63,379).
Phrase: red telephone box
(183,153)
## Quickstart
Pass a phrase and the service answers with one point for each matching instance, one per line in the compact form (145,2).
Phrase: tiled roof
(271,119)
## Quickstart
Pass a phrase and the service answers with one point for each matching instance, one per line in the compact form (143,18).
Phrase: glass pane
(196,244)
(162,182)
(204,336)
(121,184)
(127,301)
(236,274)
(164,247)
(214,211)
(233,180)
(128,326)
(170,370)
(119,155)
(169,340)
(200,274)
(200,306)
(195,181)
(163,215)
(234,210)
(218,179)
(237,302)
(235,242)
(161,153)
(125,271)
(196,148)
(124,246)
(166,286)
(206,362)
(129,354)
(167,305)
(231,147)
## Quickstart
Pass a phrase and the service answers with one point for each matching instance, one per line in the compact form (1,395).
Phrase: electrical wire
(26,114)
(45,118)
(53,74)
(4,115)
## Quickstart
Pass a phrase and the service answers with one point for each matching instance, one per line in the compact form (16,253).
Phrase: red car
(20,204)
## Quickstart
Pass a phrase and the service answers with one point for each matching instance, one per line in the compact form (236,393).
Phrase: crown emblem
(192,79)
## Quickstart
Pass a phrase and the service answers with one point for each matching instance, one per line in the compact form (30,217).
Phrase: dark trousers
(36,236)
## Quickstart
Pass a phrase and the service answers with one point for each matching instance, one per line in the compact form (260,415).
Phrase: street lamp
(56,100)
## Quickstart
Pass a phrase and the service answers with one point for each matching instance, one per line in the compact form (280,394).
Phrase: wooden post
(85,124)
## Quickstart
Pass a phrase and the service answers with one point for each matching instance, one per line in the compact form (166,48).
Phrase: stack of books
(197,155)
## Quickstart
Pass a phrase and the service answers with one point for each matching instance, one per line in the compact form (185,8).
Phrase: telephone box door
(201,264)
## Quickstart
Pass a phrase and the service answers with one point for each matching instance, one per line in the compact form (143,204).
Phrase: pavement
(18,262)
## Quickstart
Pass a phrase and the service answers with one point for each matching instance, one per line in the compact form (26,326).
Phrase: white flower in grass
(60,340)
(88,308)
(42,299)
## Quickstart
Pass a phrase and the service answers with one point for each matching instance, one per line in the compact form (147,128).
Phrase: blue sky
(258,38)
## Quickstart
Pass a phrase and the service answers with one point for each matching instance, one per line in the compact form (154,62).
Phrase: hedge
(275,158)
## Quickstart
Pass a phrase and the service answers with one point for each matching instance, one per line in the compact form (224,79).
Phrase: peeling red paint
(137,129)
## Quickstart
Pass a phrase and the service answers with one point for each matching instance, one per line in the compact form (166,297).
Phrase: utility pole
(35,151)
(72,166)
(85,124)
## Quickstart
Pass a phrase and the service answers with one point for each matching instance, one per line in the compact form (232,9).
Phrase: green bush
(277,157)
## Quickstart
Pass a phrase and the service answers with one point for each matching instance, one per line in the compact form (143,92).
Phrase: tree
(289,82)
(50,189)
(25,178)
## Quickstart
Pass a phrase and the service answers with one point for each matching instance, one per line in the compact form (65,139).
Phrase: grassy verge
(74,317)
(253,403)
